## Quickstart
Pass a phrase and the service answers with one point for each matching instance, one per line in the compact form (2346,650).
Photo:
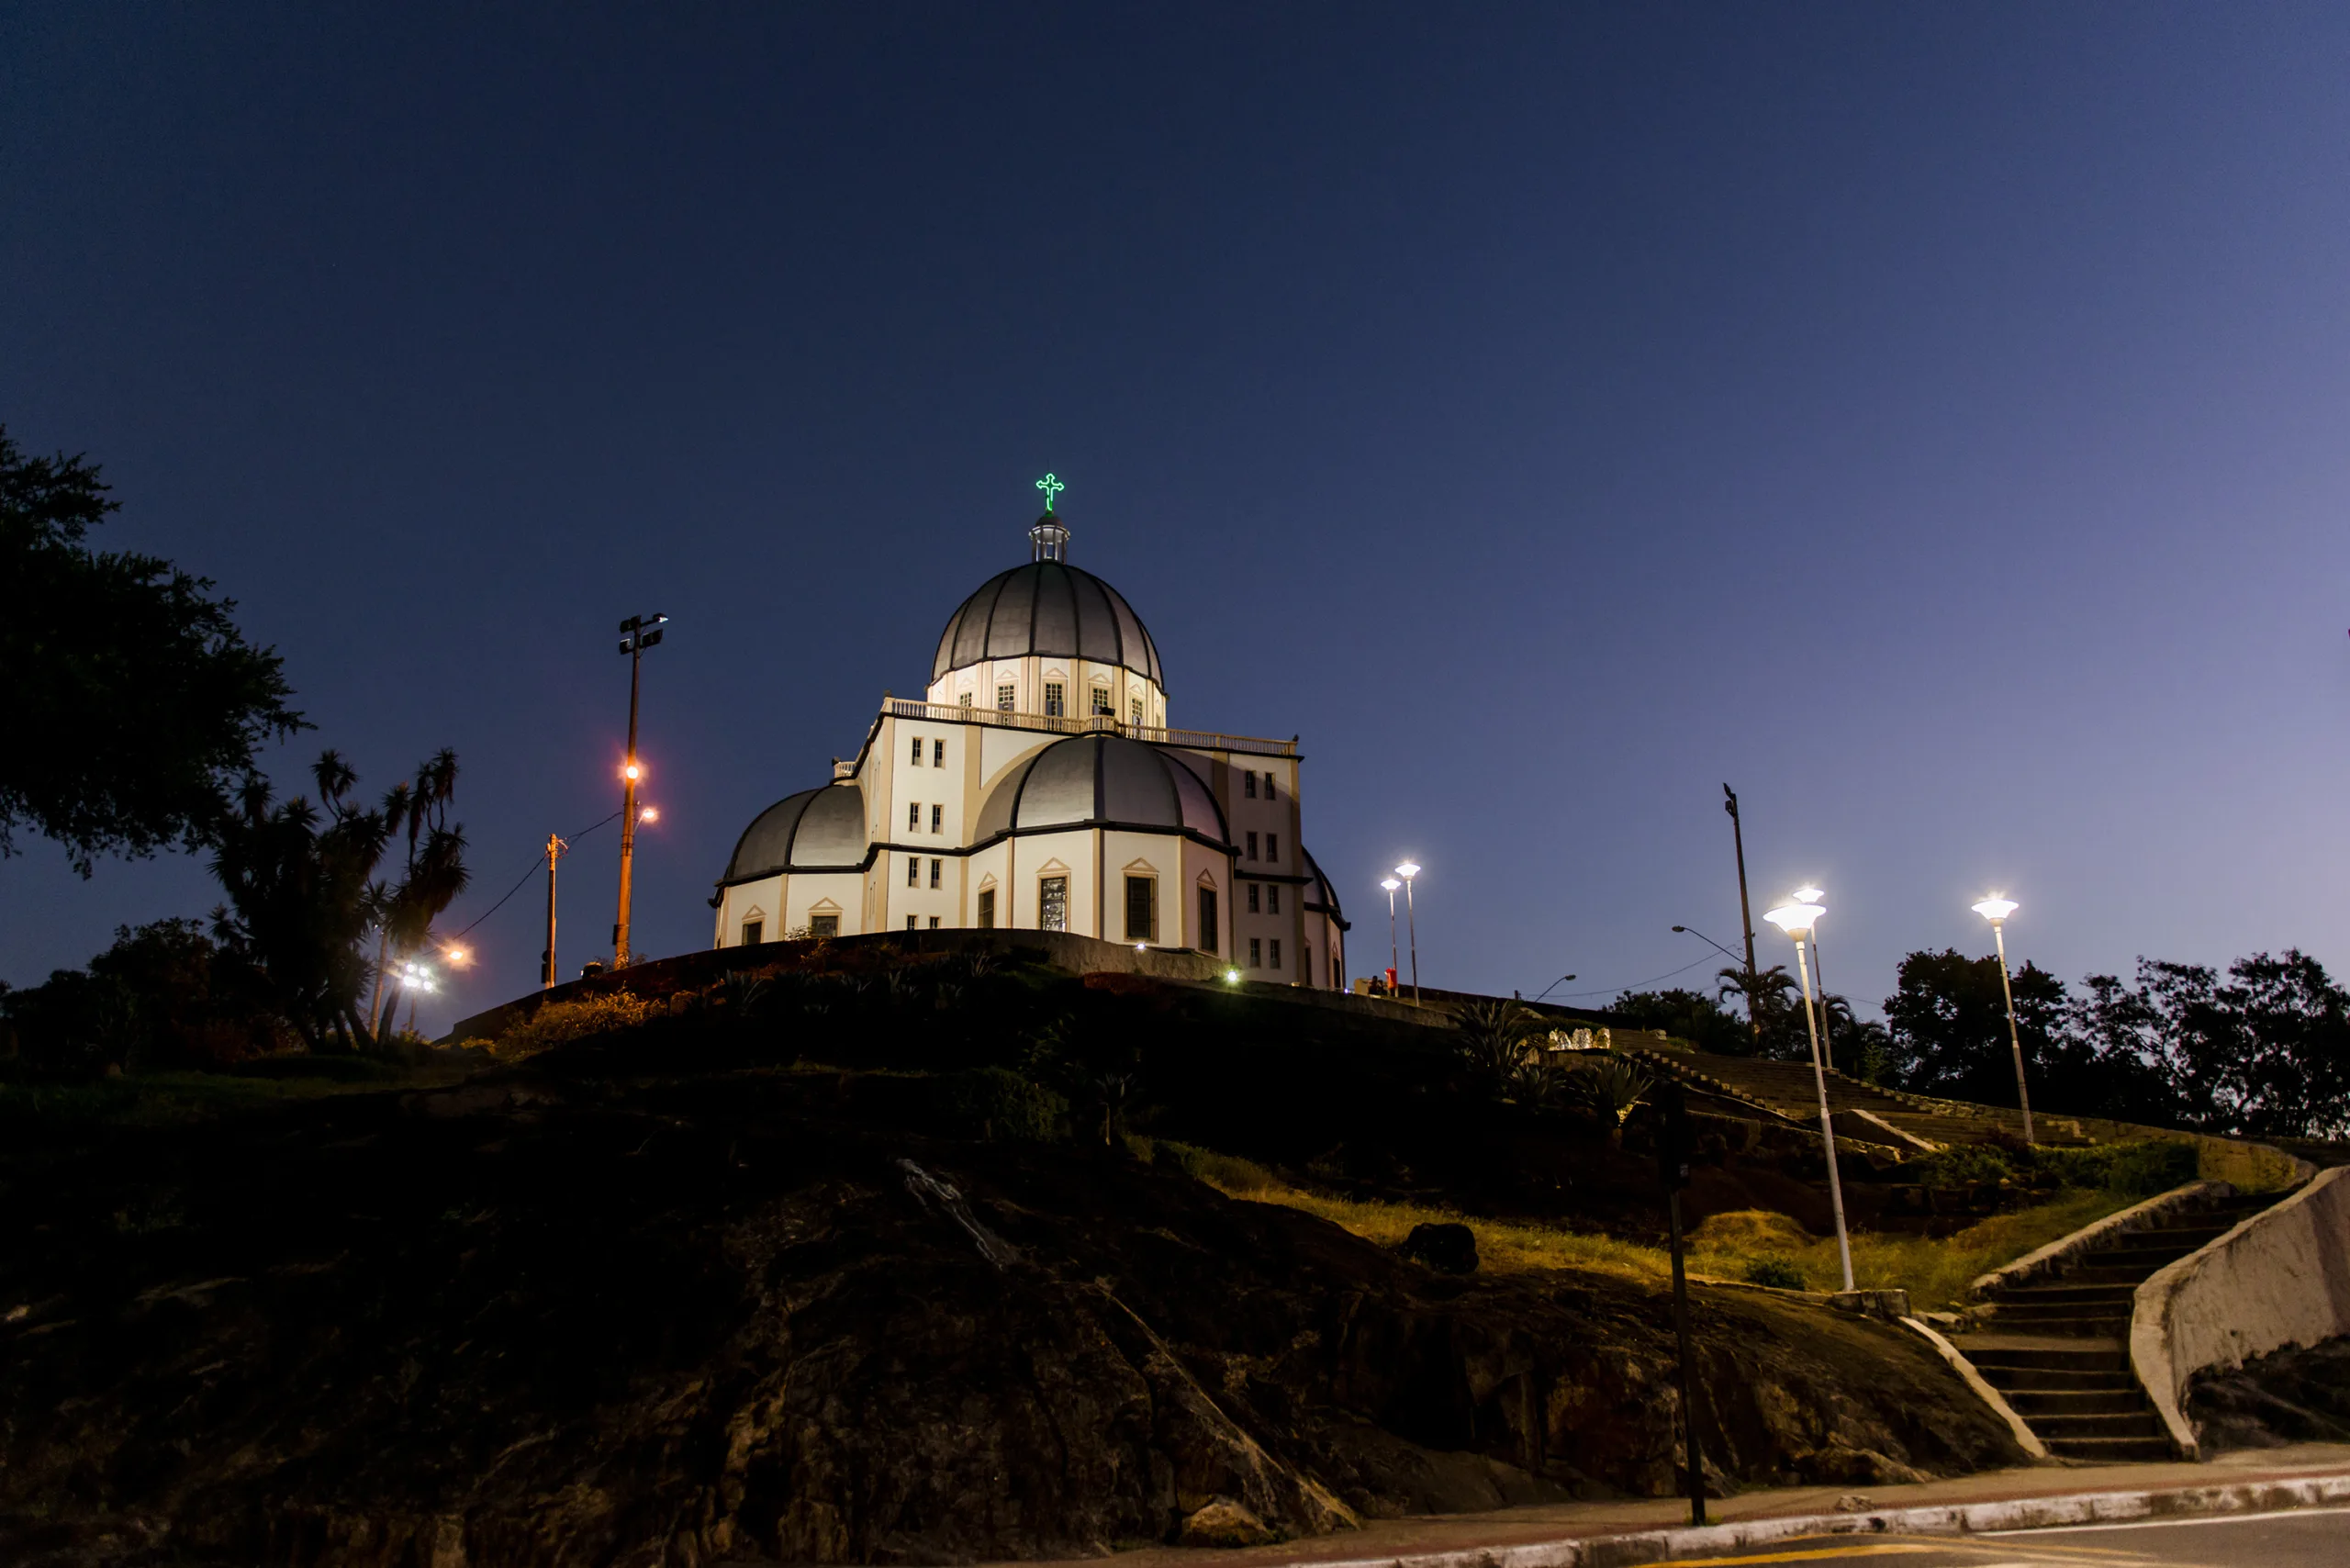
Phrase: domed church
(1036,785)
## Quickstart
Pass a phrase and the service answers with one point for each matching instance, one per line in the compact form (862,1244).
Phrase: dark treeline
(2262,1048)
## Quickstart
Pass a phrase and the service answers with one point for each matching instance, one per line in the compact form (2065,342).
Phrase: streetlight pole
(638,632)
(1995,909)
(1394,958)
(1796,920)
(1409,871)
(1745,918)
(1827,1015)
(555,847)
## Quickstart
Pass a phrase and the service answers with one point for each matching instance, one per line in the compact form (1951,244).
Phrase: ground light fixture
(1995,909)
(1409,871)
(1232,977)
(1797,918)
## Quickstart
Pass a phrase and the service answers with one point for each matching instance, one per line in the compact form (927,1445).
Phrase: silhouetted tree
(135,703)
(1690,1016)
(1948,1023)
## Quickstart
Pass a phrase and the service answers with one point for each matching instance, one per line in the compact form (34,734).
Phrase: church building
(1036,785)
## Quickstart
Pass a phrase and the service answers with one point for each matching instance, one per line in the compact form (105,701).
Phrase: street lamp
(1393,962)
(1796,920)
(638,632)
(1820,975)
(1995,909)
(1407,870)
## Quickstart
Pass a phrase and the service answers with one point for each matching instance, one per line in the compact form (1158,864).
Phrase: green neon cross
(1051,487)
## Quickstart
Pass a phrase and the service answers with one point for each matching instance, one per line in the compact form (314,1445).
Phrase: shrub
(995,1102)
(1777,1272)
(560,1020)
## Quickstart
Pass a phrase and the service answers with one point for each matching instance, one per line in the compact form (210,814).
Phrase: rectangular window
(966,702)
(1136,709)
(939,818)
(1102,701)
(1249,786)
(1256,952)
(987,909)
(1052,903)
(1272,847)
(937,870)
(1209,940)
(823,925)
(1252,898)
(913,871)
(933,922)
(914,817)
(753,930)
(1269,785)
(1142,909)
(1252,846)
(909,923)
(1052,699)
(1272,898)
(1276,945)
(1003,699)
(917,758)
(938,748)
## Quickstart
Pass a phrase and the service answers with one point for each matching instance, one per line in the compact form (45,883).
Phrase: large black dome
(1051,609)
(1102,780)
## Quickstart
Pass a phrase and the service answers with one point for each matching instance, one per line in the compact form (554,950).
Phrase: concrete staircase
(1789,1089)
(2058,1352)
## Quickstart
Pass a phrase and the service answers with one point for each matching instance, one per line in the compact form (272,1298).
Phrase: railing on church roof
(1084,724)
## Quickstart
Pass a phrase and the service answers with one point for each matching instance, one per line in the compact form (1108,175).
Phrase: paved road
(2305,1538)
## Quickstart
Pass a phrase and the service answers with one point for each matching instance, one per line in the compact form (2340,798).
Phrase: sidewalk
(1648,1529)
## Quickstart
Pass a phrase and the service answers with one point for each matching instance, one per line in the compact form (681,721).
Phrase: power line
(1636,985)
(536,861)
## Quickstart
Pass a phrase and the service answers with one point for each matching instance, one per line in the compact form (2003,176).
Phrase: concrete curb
(1951,1518)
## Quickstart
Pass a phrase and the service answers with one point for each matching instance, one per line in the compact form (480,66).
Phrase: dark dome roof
(1106,780)
(816,830)
(1321,897)
(1048,608)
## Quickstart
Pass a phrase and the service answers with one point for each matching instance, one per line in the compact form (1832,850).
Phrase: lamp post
(1995,909)
(1393,958)
(638,632)
(1407,870)
(1827,1016)
(1796,920)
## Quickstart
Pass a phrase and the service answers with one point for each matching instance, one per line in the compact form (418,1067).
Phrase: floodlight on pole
(1409,871)
(1796,919)
(1995,909)
(638,632)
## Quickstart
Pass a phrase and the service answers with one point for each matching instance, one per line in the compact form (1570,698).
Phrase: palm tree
(1764,993)
(436,870)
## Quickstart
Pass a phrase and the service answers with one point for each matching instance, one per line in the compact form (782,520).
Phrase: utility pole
(1745,916)
(555,847)
(1675,1144)
(638,632)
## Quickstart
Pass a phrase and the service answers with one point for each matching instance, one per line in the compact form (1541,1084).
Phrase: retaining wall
(2280,1278)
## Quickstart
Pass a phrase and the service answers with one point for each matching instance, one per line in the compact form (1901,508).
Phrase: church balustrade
(1084,724)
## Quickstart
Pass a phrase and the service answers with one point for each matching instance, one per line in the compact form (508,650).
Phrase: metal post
(546,960)
(1826,1127)
(1412,922)
(1688,1384)
(1746,918)
(628,812)
(1826,1017)
(2015,1041)
(1394,959)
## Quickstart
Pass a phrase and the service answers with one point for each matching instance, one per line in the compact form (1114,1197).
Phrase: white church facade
(1037,786)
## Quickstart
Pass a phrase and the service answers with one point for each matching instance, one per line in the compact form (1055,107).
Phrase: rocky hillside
(738,1315)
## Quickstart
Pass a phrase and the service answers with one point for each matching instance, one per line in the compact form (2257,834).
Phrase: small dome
(816,830)
(1101,781)
(1051,609)
(1320,898)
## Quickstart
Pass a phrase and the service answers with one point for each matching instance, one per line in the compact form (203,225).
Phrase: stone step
(2070,1292)
(2031,1404)
(2126,1424)
(2108,1357)
(2111,1451)
(2047,1380)
(2111,1328)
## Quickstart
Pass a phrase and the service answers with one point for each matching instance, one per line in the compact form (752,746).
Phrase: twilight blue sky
(1930,419)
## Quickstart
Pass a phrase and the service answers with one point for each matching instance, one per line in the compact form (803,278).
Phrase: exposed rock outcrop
(535,1321)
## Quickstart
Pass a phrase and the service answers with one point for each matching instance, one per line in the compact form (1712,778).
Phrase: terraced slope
(1790,1090)
(2059,1352)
